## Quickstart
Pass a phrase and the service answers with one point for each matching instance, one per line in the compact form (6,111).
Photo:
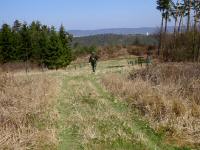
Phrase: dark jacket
(93,59)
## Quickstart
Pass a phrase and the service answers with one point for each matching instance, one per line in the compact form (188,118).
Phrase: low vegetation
(27,113)
(114,52)
(93,118)
(111,45)
(167,95)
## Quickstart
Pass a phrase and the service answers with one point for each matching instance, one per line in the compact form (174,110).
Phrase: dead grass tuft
(26,114)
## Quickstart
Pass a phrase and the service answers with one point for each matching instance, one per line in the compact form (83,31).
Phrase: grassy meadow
(119,107)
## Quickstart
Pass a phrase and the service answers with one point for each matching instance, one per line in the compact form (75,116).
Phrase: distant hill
(114,39)
(123,31)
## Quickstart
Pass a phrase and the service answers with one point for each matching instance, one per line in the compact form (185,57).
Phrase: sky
(82,14)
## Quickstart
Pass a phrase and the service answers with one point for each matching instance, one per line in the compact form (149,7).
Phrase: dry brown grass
(167,95)
(26,116)
(19,66)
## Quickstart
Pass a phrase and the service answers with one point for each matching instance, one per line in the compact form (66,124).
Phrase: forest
(36,43)
(183,43)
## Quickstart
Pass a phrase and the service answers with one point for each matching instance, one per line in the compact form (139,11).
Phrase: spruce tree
(16,40)
(17,26)
(43,44)
(35,33)
(26,43)
(37,43)
(6,43)
(52,53)
(66,39)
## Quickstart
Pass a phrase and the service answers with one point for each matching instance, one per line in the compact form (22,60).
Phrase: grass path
(93,119)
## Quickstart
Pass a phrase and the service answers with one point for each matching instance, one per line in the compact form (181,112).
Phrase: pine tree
(164,7)
(188,6)
(52,53)
(35,33)
(25,49)
(35,42)
(43,44)
(17,26)
(16,40)
(66,44)
(6,43)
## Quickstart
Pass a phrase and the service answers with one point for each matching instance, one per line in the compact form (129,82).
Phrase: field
(114,108)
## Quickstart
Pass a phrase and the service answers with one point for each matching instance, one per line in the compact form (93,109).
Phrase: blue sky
(83,14)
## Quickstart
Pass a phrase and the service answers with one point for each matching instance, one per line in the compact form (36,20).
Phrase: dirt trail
(91,118)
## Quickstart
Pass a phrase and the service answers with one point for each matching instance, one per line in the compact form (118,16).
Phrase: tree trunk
(198,55)
(162,23)
(195,25)
(189,14)
(166,21)
(180,23)
(195,18)
(161,32)
(175,26)
(195,49)
(176,19)
(194,46)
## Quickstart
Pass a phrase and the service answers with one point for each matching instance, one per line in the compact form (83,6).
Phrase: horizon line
(116,28)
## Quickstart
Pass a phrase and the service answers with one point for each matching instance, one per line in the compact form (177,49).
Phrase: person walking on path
(93,61)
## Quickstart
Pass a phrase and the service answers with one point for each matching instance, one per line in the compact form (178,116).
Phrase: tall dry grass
(26,116)
(167,95)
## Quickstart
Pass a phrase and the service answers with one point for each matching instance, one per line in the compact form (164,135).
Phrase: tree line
(109,43)
(114,40)
(35,42)
(183,44)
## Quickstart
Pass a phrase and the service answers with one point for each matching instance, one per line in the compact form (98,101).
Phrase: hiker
(93,61)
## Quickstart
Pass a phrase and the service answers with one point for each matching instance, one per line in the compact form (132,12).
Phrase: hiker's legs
(93,67)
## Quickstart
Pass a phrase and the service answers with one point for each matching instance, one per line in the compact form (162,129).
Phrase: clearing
(92,118)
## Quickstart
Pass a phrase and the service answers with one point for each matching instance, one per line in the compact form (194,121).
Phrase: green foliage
(163,5)
(35,42)
(25,46)
(6,43)
(114,40)
(82,50)
(66,40)
(110,42)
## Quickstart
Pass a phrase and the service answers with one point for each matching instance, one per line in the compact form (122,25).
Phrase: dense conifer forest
(35,42)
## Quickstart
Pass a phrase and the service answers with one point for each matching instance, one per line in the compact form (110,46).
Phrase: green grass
(92,118)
